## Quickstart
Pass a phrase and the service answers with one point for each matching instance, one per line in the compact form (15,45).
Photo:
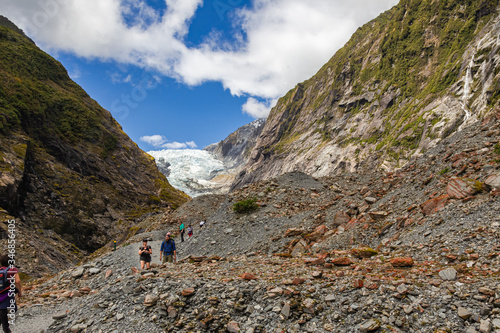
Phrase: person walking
(167,250)
(190,231)
(182,229)
(10,284)
(202,223)
(145,253)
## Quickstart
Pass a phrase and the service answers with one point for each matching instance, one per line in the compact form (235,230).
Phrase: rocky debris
(433,270)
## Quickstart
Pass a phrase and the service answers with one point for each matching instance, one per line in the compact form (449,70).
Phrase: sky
(186,73)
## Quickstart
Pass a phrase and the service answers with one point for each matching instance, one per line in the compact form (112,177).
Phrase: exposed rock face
(405,81)
(235,149)
(67,170)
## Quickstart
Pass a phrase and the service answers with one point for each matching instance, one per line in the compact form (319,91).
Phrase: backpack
(4,283)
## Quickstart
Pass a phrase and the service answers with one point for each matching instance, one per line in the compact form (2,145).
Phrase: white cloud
(160,141)
(153,140)
(257,109)
(286,41)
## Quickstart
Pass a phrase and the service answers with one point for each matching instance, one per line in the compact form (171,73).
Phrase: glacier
(189,170)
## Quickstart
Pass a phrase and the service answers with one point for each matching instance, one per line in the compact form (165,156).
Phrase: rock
(171,312)
(299,248)
(464,313)
(120,316)
(486,291)
(369,325)
(493,181)
(435,204)
(358,283)
(364,252)
(94,270)
(342,261)
(294,232)
(109,272)
(274,292)
(232,327)
(496,323)
(308,304)
(59,316)
(150,300)
(341,218)
(402,262)
(330,298)
(378,216)
(449,274)
(485,326)
(285,311)
(314,261)
(298,281)
(188,292)
(460,188)
(77,273)
(317,274)
(248,276)
(370,200)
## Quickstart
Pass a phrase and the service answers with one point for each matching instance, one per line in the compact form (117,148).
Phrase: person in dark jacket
(145,252)
(168,250)
(11,285)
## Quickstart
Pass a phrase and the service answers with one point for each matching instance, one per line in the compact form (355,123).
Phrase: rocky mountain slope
(415,250)
(69,175)
(406,80)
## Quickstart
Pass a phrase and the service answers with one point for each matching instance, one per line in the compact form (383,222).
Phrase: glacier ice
(189,170)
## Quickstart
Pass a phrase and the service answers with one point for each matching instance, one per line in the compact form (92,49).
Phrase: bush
(496,149)
(245,206)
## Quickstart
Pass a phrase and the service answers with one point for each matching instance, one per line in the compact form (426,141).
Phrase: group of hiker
(168,252)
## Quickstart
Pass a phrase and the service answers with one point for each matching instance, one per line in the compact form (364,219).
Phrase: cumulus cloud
(153,140)
(159,141)
(257,109)
(280,42)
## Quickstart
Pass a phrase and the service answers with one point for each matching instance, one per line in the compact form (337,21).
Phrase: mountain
(213,169)
(404,81)
(70,177)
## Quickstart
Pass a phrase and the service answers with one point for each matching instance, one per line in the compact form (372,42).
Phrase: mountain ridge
(69,174)
(404,81)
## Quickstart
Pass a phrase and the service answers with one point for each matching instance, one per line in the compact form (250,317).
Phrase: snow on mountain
(189,170)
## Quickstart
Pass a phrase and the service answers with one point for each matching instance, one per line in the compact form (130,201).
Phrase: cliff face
(404,81)
(235,150)
(66,167)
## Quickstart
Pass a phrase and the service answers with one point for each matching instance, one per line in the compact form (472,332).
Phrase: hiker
(182,229)
(10,285)
(190,231)
(168,250)
(202,223)
(145,252)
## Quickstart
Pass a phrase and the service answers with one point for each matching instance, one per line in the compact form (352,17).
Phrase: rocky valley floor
(417,250)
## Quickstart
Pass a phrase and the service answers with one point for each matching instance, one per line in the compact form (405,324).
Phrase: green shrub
(445,170)
(245,206)
(497,149)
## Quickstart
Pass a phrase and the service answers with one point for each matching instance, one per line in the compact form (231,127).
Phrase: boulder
(341,218)
(248,276)
(460,188)
(493,181)
(435,204)
(342,261)
(402,262)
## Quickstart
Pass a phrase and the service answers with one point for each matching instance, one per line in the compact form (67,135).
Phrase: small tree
(245,206)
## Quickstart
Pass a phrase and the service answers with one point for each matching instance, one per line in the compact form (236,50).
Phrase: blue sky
(187,73)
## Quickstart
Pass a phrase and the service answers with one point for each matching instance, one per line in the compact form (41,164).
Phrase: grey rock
(449,274)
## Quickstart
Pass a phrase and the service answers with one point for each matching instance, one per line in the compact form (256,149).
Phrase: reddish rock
(318,232)
(248,276)
(85,290)
(402,262)
(433,205)
(314,261)
(188,292)
(342,261)
(358,283)
(109,272)
(460,188)
(294,232)
(341,218)
(298,281)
